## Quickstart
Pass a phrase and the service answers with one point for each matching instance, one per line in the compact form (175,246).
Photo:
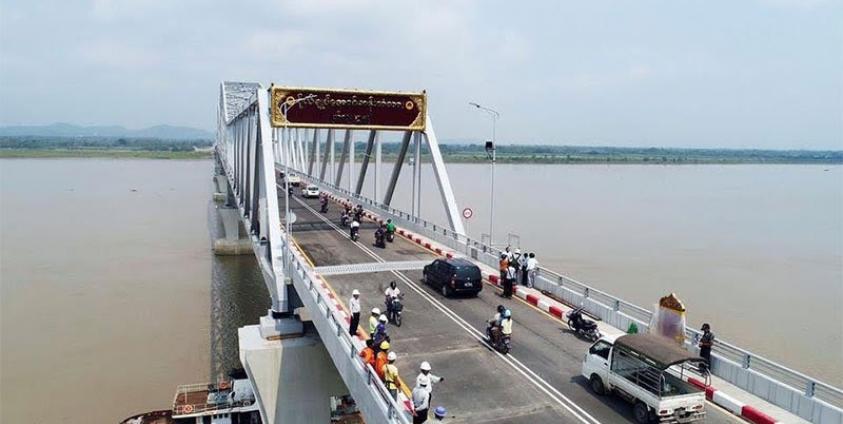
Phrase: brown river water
(110,295)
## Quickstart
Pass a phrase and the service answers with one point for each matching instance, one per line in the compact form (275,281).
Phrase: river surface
(110,294)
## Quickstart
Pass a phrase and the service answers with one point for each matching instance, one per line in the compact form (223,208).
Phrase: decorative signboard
(355,109)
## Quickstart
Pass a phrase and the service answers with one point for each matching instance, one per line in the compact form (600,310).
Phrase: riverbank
(103,153)
(468,158)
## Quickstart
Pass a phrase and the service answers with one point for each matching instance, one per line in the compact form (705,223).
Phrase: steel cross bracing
(246,151)
(299,149)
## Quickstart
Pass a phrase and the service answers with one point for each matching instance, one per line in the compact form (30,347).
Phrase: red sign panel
(324,108)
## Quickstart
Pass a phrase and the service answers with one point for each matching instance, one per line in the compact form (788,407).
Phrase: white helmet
(355,292)
(425,366)
(382,318)
(391,356)
(376,311)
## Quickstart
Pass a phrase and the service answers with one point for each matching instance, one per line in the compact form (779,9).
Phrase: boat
(228,401)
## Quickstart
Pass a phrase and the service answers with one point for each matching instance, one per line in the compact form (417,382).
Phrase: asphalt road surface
(539,381)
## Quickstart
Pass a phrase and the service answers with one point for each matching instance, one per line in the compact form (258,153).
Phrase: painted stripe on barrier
(728,402)
(556,311)
(697,383)
(756,416)
(532,299)
(544,305)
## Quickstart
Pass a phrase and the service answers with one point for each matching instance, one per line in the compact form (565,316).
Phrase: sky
(734,74)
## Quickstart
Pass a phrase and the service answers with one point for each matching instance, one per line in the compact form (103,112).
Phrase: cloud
(118,55)
(582,60)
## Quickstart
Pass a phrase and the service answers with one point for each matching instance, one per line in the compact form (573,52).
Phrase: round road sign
(467,213)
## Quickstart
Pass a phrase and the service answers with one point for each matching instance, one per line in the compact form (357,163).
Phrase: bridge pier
(292,373)
(235,241)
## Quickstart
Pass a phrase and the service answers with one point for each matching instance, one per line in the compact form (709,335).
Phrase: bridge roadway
(538,382)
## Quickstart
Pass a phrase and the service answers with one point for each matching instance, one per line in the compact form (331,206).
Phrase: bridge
(301,351)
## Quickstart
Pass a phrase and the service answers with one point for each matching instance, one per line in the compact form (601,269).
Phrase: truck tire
(641,413)
(597,385)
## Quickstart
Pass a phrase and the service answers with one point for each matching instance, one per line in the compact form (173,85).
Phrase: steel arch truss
(303,151)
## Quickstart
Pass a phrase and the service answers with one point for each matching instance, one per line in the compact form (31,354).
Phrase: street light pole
(491,148)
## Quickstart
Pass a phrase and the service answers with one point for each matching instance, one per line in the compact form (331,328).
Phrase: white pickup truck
(648,371)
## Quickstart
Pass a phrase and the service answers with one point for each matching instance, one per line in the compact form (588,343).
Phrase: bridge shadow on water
(238,297)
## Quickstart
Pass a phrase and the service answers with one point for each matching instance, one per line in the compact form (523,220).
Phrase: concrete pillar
(292,375)
(235,241)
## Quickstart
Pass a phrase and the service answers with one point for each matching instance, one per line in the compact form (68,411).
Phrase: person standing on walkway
(421,403)
(354,308)
(380,331)
(508,281)
(516,257)
(426,378)
(522,267)
(706,341)
(390,375)
(368,353)
(508,252)
(382,358)
(373,321)
(532,269)
(502,265)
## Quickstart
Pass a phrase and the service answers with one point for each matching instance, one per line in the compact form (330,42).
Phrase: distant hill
(168,132)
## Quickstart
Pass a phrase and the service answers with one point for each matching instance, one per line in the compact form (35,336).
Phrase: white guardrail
(805,396)
(376,404)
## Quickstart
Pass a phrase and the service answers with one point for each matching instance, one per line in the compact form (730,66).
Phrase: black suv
(454,275)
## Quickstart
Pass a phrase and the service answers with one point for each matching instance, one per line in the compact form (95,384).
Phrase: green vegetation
(111,147)
(103,153)
(102,147)
(635,155)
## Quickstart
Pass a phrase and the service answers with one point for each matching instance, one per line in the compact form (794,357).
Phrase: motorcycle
(390,236)
(379,240)
(344,220)
(498,341)
(355,233)
(393,311)
(581,326)
(324,208)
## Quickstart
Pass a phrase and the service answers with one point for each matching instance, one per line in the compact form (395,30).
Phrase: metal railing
(603,304)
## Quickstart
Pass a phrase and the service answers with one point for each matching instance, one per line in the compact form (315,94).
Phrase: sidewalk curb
(747,412)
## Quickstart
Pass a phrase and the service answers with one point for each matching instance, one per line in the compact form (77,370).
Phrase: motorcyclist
(355,227)
(494,324)
(380,234)
(390,229)
(344,218)
(323,201)
(358,212)
(391,293)
(506,324)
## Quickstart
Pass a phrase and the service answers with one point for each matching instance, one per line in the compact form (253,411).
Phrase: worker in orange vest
(368,354)
(382,358)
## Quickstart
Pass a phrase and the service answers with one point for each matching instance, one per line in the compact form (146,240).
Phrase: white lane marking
(513,362)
